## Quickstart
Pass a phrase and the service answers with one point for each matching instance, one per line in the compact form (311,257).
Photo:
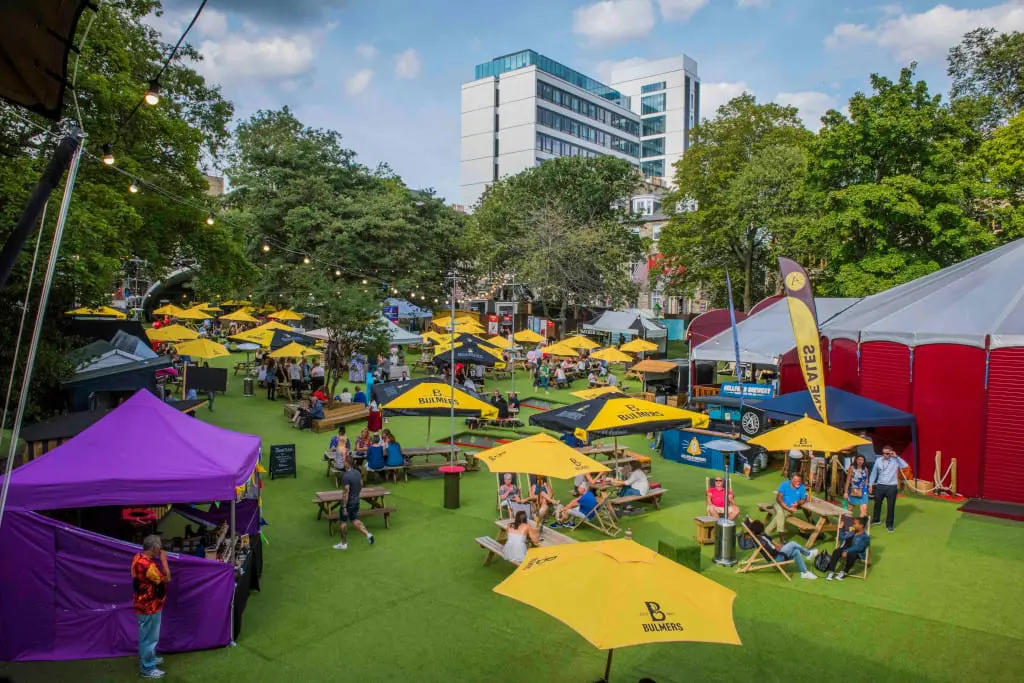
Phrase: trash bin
(247,386)
(725,543)
(452,476)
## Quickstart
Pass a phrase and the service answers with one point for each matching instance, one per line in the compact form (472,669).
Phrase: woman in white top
(516,544)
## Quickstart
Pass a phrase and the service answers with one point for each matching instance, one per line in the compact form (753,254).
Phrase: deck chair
(760,557)
(846,530)
(602,518)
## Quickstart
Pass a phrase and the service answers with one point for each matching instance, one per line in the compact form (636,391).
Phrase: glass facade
(652,104)
(546,117)
(569,101)
(654,125)
(560,148)
(525,58)
(654,147)
(652,87)
(653,168)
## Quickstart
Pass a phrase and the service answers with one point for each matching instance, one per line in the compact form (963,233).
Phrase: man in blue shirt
(883,484)
(854,548)
(581,507)
(359,397)
(790,496)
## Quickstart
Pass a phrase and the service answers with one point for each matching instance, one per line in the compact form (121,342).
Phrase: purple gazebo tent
(67,592)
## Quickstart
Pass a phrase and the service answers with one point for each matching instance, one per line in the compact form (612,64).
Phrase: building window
(561,148)
(654,147)
(495,171)
(550,119)
(652,104)
(578,105)
(654,125)
(496,153)
(652,87)
(653,169)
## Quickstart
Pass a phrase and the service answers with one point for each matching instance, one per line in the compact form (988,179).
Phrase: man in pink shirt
(716,500)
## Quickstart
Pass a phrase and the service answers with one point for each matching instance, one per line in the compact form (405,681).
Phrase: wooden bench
(802,524)
(493,547)
(705,534)
(653,496)
(349,412)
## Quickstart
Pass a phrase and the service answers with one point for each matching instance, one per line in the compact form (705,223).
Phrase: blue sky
(386,73)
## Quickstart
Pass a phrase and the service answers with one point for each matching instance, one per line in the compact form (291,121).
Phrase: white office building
(525,108)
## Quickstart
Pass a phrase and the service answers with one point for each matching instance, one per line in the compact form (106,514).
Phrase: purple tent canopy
(143,453)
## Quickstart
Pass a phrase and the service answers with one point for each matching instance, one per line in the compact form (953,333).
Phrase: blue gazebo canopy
(845,410)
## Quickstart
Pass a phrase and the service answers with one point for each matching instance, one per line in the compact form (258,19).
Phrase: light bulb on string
(133,188)
(305,259)
(364,282)
(266,247)
(108,154)
(337,273)
(152,96)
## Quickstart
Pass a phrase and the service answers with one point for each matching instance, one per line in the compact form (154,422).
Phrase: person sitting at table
(516,542)
(613,381)
(502,405)
(513,403)
(340,442)
(509,496)
(359,396)
(635,483)
(788,499)
(542,496)
(788,551)
(560,380)
(346,396)
(592,379)
(581,507)
(853,548)
(469,384)
(716,500)
(363,441)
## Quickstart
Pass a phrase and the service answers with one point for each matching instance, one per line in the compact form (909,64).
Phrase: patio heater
(725,533)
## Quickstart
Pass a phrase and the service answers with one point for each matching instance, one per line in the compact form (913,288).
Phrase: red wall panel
(948,399)
(842,368)
(885,373)
(791,377)
(1003,474)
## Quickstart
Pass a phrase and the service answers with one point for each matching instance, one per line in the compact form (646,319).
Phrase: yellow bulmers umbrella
(560,350)
(639,346)
(444,318)
(286,314)
(612,355)
(171,333)
(98,312)
(588,394)
(273,325)
(193,314)
(295,350)
(169,309)
(539,454)
(612,415)
(236,302)
(579,342)
(239,316)
(429,397)
(447,348)
(255,336)
(500,342)
(528,337)
(807,434)
(202,348)
(619,593)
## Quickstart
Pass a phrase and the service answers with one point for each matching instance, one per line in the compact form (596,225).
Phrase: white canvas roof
(961,304)
(621,322)
(398,334)
(766,335)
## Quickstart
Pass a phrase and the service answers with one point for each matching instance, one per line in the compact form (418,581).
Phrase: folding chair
(761,557)
(602,518)
(846,530)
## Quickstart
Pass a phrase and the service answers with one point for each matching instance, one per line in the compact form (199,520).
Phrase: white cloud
(927,35)
(407,64)
(612,21)
(267,58)
(212,24)
(366,51)
(171,23)
(752,3)
(811,105)
(680,10)
(607,66)
(714,95)
(358,82)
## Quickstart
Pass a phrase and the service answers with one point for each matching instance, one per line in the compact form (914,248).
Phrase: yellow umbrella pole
(608,664)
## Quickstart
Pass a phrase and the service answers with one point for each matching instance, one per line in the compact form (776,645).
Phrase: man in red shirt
(716,500)
(150,575)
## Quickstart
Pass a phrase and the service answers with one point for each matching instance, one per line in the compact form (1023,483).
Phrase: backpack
(822,561)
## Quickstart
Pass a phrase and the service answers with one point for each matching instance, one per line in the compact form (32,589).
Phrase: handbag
(856,492)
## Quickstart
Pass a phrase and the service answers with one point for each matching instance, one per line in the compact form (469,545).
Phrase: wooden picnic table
(374,495)
(824,510)
(599,450)
(548,537)
(426,451)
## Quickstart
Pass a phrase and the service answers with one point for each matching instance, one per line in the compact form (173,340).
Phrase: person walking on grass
(348,511)
(882,485)
(150,576)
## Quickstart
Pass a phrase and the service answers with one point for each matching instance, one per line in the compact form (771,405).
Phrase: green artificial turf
(944,602)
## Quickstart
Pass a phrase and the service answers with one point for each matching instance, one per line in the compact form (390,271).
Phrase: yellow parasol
(169,309)
(295,350)
(500,342)
(580,342)
(539,454)
(255,336)
(431,397)
(632,595)
(616,416)
(172,333)
(202,348)
(285,314)
(587,394)
(272,325)
(638,346)
(560,350)
(612,355)
(193,314)
(239,316)
(807,434)
(528,337)
(98,312)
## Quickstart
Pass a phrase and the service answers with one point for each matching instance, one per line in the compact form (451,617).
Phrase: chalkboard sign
(282,460)
(205,379)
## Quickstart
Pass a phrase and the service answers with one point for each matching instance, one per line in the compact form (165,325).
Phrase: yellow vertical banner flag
(804,316)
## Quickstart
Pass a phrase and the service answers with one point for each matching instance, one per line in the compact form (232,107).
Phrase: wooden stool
(705,530)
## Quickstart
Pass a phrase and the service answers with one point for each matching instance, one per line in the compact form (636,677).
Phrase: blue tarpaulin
(845,410)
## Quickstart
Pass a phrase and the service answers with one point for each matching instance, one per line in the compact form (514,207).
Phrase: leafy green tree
(745,174)
(987,70)
(564,228)
(899,200)
(999,169)
(354,325)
